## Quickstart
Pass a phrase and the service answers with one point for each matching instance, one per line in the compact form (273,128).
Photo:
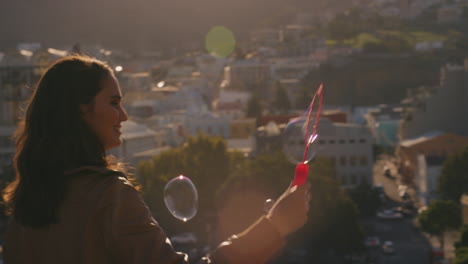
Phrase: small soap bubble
(267,205)
(181,198)
(296,137)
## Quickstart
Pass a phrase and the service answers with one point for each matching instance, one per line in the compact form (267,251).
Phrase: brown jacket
(104,219)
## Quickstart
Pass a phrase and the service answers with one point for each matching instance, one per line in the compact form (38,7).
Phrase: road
(411,247)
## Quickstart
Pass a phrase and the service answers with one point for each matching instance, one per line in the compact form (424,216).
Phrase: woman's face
(105,115)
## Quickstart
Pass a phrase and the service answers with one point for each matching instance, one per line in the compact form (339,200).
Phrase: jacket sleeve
(133,236)
(256,245)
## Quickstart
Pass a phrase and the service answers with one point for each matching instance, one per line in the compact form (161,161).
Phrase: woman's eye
(114,103)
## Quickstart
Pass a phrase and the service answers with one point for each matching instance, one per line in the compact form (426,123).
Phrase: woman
(71,204)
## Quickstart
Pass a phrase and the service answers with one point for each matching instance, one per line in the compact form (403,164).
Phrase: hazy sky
(128,23)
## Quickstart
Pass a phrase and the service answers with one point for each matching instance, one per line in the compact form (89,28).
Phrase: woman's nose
(123,114)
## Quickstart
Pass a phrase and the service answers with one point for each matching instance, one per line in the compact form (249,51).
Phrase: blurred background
(210,87)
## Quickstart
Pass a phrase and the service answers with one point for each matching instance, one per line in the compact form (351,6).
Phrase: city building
(443,108)
(249,75)
(231,110)
(336,116)
(428,169)
(349,146)
(242,128)
(292,68)
(140,81)
(138,139)
(19,72)
(383,123)
(449,13)
(207,123)
(464,208)
(231,104)
(434,145)
(242,135)
(293,90)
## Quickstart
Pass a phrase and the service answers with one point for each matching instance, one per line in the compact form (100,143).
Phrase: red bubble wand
(302,169)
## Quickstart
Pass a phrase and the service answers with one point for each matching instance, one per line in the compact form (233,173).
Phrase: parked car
(389,214)
(408,204)
(388,247)
(402,210)
(372,242)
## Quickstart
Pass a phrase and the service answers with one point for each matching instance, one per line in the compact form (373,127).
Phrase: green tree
(440,216)
(366,199)
(461,255)
(333,216)
(281,102)
(333,219)
(254,108)
(453,180)
(463,242)
(205,160)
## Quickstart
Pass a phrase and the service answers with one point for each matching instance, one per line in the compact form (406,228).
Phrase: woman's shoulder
(97,182)
(87,170)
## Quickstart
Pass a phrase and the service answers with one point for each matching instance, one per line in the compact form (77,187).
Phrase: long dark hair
(54,138)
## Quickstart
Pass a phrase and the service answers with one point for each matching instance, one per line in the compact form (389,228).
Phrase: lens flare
(220,41)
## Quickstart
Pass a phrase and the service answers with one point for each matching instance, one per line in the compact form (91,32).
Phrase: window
(352,161)
(342,141)
(321,142)
(363,161)
(344,179)
(6,142)
(364,178)
(331,141)
(353,179)
(352,141)
(343,161)
(362,140)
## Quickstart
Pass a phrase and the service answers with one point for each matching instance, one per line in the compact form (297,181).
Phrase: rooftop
(422,138)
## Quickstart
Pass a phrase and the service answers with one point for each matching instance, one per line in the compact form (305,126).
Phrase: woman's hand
(289,213)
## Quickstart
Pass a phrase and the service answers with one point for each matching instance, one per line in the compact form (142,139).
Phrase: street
(411,246)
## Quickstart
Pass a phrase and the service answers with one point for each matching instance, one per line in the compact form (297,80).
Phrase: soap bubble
(267,205)
(181,198)
(299,142)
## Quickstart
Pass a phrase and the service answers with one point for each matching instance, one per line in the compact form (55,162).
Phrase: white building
(249,76)
(292,68)
(137,139)
(427,175)
(349,146)
(140,81)
(231,104)
(207,123)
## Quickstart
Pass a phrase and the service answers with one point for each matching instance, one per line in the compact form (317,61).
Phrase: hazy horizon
(136,24)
